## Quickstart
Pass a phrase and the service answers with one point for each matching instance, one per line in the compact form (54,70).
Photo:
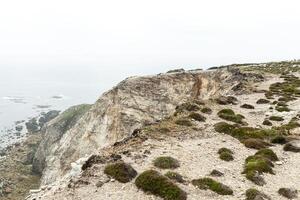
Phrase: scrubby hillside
(225,133)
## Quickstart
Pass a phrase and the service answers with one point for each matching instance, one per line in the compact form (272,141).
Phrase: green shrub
(183,122)
(262,101)
(279,140)
(223,127)
(187,107)
(254,194)
(197,117)
(206,110)
(120,171)
(229,115)
(175,176)
(208,183)
(225,154)
(267,122)
(166,162)
(243,133)
(267,153)
(255,143)
(151,181)
(276,118)
(247,106)
(282,109)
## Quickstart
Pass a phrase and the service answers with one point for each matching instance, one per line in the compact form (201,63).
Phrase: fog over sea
(25,92)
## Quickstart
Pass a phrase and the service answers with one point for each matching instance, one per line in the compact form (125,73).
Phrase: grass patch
(208,183)
(153,182)
(282,109)
(166,162)
(120,171)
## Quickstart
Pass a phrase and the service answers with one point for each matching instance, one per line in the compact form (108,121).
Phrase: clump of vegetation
(190,106)
(183,122)
(291,147)
(267,122)
(120,171)
(260,163)
(166,162)
(153,182)
(197,117)
(208,183)
(206,110)
(279,140)
(175,176)
(263,101)
(254,194)
(282,109)
(288,193)
(247,106)
(243,133)
(267,153)
(255,143)
(225,100)
(225,154)
(276,118)
(229,115)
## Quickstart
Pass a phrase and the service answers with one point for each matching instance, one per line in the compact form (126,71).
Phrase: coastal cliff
(234,126)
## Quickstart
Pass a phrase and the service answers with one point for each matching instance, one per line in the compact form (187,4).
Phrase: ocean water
(25,92)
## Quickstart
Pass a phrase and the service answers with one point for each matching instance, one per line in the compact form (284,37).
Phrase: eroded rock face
(117,113)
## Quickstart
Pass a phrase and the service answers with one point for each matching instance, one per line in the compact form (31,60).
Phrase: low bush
(184,122)
(120,171)
(197,117)
(175,176)
(267,122)
(229,115)
(208,183)
(166,162)
(279,140)
(247,106)
(262,101)
(225,154)
(276,118)
(282,109)
(267,153)
(206,110)
(153,182)
(254,194)
(255,143)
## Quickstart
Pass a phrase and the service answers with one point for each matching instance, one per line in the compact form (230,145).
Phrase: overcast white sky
(146,36)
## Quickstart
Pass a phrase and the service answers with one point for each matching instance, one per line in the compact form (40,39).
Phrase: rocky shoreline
(17,177)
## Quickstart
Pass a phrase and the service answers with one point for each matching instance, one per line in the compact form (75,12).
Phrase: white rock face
(129,105)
